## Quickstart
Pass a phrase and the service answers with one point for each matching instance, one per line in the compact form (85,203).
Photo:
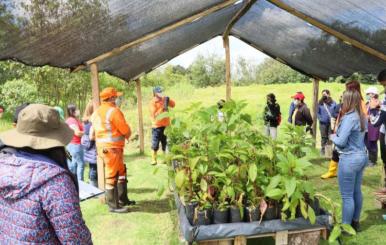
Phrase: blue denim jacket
(349,138)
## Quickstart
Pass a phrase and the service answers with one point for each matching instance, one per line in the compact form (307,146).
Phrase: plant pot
(252,214)
(220,217)
(315,205)
(203,217)
(270,213)
(235,215)
(280,210)
(189,211)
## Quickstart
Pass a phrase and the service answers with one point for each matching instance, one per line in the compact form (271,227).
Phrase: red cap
(109,92)
(298,96)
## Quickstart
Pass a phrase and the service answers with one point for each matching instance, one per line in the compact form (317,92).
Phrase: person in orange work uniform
(109,129)
(158,105)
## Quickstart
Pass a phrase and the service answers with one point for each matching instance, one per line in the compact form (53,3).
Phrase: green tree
(207,70)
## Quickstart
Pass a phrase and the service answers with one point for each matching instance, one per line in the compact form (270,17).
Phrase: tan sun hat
(38,127)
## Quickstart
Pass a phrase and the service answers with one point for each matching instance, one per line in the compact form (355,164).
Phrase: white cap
(371,90)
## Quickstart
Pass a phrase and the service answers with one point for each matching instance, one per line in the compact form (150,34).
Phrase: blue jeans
(77,165)
(350,172)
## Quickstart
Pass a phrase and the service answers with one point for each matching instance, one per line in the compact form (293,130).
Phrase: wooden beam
(155,34)
(95,98)
(315,107)
(329,30)
(140,119)
(228,69)
(236,18)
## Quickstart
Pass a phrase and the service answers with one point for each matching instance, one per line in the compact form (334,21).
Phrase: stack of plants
(225,171)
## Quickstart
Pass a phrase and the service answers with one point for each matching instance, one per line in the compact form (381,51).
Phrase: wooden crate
(380,201)
(305,237)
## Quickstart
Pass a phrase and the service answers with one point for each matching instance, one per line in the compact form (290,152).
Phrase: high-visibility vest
(110,126)
(155,109)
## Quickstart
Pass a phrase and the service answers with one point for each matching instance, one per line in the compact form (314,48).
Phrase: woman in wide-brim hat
(36,188)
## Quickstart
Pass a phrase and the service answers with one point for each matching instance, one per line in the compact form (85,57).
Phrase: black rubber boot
(356,226)
(94,183)
(122,194)
(112,201)
(373,157)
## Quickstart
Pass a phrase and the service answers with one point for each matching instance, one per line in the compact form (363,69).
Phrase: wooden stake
(241,240)
(140,119)
(315,107)
(95,98)
(228,69)
(155,34)
(236,18)
(329,30)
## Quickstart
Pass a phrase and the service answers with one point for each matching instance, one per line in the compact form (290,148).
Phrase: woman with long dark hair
(326,108)
(271,116)
(77,164)
(36,187)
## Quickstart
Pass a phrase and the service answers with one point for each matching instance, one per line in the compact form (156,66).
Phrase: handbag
(332,119)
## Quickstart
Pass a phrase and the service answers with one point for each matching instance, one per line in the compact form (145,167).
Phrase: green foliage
(207,70)
(16,92)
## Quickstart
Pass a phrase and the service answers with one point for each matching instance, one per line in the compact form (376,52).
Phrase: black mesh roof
(302,45)
(363,20)
(72,32)
(66,34)
(147,55)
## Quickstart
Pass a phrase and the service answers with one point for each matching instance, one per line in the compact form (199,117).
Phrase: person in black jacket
(271,116)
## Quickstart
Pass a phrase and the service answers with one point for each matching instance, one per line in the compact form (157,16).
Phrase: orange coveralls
(111,130)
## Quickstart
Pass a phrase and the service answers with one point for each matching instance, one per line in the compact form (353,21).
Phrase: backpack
(279,120)
(279,117)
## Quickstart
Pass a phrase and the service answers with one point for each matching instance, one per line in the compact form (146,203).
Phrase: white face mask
(159,95)
(77,113)
(117,101)
(295,102)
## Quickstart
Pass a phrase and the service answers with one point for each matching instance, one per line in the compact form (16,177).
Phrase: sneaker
(356,226)
(384,216)
(322,153)
(372,164)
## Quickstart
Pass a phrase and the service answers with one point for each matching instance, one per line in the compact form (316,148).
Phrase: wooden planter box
(284,232)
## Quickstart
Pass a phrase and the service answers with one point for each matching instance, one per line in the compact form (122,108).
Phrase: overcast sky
(237,47)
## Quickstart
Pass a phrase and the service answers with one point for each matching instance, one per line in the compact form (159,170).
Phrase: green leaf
(161,190)
(180,177)
(194,161)
(348,228)
(252,173)
(226,155)
(241,208)
(274,193)
(231,192)
(303,209)
(156,170)
(334,234)
(290,186)
(163,115)
(311,215)
(204,185)
(282,158)
(194,176)
(247,118)
(274,182)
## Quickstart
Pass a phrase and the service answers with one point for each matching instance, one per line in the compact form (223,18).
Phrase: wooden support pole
(241,240)
(228,69)
(236,18)
(95,98)
(329,29)
(315,107)
(155,34)
(140,119)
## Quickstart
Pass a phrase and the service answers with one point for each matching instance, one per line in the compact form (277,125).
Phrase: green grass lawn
(154,221)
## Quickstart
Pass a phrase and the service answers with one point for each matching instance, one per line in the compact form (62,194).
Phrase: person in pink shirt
(77,164)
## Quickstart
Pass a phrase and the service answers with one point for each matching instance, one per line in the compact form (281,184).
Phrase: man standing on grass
(109,129)
(157,106)
(301,116)
(292,108)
